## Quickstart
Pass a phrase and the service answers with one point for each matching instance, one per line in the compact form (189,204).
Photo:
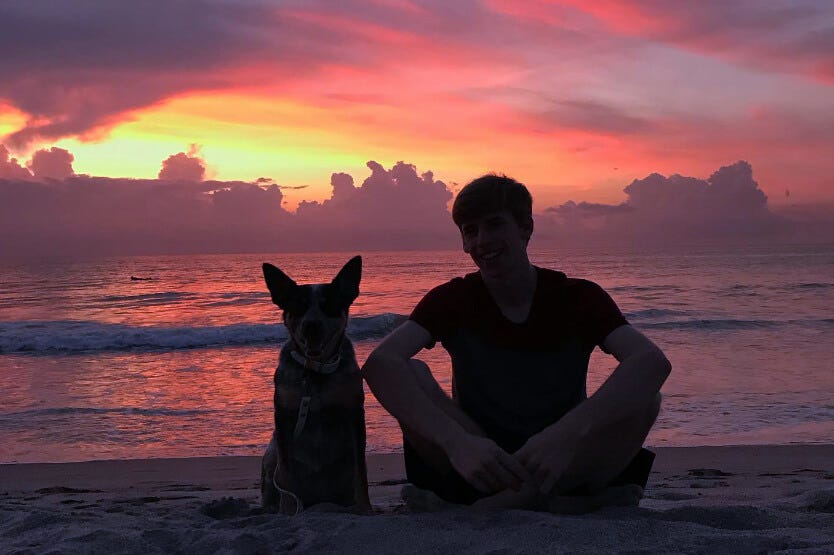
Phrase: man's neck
(513,289)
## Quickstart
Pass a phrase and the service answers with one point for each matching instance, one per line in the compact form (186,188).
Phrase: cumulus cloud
(54,163)
(10,168)
(184,167)
(82,215)
(392,209)
(728,204)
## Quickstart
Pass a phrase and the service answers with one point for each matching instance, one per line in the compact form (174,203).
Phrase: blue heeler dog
(317,451)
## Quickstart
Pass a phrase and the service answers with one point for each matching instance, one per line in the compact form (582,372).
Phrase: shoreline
(721,499)
(373,455)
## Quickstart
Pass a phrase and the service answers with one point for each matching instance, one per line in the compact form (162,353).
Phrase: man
(519,431)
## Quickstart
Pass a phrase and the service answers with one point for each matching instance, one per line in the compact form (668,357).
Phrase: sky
(307,111)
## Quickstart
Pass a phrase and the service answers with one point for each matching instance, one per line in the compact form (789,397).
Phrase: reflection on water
(748,333)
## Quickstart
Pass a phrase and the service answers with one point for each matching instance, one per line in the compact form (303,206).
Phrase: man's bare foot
(627,495)
(528,497)
(423,501)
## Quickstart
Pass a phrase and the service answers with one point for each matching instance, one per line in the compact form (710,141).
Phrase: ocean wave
(810,286)
(236,299)
(127,411)
(145,299)
(729,324)
(642,288)
(208,300)
(68,337)
(53,337)
(654,313)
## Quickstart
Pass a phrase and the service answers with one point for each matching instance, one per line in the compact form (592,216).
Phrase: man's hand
(546,456)
(485,465)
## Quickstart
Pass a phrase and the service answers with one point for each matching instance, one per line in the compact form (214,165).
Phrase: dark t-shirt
(516,379)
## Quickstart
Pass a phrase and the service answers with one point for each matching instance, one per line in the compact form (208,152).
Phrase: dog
(317,451)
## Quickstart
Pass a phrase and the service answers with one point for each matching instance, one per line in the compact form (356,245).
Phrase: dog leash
(299,506)
(303,411)
(318,367)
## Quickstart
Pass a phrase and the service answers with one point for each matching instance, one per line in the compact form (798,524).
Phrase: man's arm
(634,383)
(631,387)
(396,388)
(479,460)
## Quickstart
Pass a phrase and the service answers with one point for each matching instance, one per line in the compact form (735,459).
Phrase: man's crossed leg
(608,468)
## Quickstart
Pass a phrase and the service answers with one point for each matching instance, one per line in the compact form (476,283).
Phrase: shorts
(453,488)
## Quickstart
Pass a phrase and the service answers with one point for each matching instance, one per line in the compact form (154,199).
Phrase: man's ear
(527,229)
(280,286)
(347,280)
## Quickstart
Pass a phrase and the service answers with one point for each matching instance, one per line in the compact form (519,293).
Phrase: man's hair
(493,193)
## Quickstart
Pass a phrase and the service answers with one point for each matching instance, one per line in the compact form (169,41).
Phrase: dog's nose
(312,329)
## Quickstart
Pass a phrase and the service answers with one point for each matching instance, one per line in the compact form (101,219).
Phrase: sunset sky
(576,101)
(252,126)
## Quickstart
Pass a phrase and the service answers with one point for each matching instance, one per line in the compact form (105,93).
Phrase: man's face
(496,243)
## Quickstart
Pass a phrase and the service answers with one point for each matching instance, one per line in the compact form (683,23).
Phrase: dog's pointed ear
(347,280)
(280,285)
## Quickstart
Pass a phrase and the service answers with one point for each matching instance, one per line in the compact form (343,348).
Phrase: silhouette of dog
(317,451)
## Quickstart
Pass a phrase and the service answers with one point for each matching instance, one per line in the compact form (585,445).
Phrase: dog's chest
(326,393)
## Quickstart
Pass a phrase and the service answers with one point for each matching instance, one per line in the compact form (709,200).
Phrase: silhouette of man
(519,430)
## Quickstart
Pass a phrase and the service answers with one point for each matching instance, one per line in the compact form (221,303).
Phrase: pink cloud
(10,168)
(729,205)
(183,167)
(84,215)
(55,163)
(793,37)
(71,82)
(393,208)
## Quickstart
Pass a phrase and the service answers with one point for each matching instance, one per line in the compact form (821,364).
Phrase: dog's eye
(296,306)
(330,307)
(330,304)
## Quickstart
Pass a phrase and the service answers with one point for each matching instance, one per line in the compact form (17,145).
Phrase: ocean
(95,365)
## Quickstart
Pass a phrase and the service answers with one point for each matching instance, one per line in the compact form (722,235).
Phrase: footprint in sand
(673,496)
(708,472)
(61,489)
(709,485)
(185,487)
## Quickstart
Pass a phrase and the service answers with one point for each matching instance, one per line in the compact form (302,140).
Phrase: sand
(702,499)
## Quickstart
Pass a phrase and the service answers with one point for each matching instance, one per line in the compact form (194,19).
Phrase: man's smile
(491,254)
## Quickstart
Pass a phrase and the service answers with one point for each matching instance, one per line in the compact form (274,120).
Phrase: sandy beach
(717,499)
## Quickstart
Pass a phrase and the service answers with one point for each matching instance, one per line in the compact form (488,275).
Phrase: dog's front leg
(270,496)
(363,502)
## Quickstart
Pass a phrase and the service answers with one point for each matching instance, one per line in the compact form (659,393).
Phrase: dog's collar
(315,365)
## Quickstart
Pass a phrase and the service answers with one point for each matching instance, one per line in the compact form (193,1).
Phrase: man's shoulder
(572,296)
(559,280)
(457,285)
